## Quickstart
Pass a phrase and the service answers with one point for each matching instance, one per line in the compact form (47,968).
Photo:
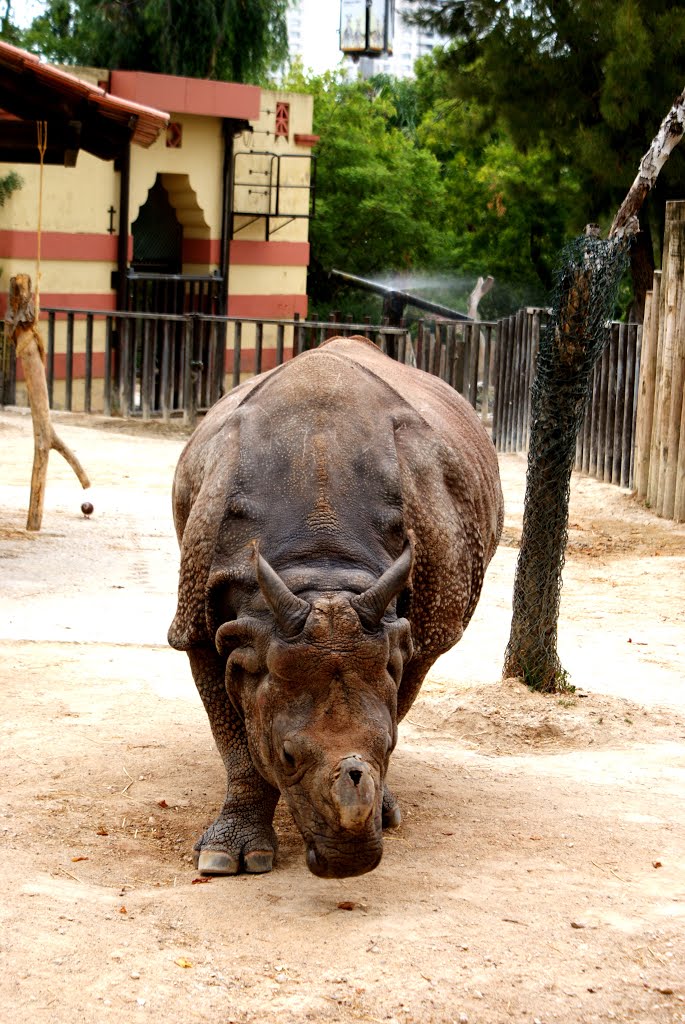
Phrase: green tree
(508,211)
(230,40)
(380,199)
(9,184)
(8,30)
(591,81)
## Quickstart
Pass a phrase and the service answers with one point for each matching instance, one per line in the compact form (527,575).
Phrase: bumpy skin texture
(334,464)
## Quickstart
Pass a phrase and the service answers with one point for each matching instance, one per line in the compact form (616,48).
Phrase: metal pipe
(406,297)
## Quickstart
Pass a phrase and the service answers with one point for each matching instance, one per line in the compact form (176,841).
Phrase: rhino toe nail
(259,861)
(392,817)
(215,862)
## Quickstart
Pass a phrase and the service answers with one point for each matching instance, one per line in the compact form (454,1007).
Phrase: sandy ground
(538,875)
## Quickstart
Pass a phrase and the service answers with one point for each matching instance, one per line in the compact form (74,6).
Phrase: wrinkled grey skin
(335,517)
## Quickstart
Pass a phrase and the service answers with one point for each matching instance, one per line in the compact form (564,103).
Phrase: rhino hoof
(259,861)
(216,862)
(392,818)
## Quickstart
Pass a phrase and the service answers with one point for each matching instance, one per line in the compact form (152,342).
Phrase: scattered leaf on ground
(182,962)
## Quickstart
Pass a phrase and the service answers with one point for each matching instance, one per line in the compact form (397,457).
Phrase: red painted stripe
(59,245)
(269,254)
(201,250)
(78,364)
(101,301)
(267,307)
(248,362)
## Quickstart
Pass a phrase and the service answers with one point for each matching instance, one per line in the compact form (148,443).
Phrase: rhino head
(316,683)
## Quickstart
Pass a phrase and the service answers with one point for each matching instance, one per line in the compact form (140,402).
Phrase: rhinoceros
(335,517)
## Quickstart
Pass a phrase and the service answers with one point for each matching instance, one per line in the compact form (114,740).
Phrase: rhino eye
(287,753)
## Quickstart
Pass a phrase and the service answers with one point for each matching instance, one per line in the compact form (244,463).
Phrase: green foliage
(380,200)
(8,30)
(592,80)
(9,184)
(230,40)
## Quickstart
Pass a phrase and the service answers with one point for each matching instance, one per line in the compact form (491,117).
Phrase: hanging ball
(87,508)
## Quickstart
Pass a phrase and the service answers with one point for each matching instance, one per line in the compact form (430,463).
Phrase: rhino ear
(239,639)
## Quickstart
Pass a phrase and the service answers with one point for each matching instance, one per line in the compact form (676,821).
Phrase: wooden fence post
(646,387)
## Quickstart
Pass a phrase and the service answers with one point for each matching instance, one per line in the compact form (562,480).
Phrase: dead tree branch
(23,332)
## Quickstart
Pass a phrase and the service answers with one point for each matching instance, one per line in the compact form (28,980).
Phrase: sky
(321,22)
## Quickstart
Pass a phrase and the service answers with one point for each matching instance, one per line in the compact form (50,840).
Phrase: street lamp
(366,27)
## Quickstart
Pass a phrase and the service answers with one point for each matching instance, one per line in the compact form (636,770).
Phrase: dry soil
(538,874)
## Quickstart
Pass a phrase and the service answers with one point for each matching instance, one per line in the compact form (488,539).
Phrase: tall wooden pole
(22,330)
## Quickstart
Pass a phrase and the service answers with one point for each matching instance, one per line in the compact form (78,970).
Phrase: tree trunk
(641,268)
(30,349)
(573,340)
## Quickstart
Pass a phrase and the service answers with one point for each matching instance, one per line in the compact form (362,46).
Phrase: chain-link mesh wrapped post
(577,330)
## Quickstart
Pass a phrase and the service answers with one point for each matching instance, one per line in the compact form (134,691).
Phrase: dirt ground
(538,875)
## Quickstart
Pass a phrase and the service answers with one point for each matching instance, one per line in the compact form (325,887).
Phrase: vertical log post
(23,332)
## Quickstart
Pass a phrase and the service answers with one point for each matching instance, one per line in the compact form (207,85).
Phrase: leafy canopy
(229,40)
(380,199)
(592,79)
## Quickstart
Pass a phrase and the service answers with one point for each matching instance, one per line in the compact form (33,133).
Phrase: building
(212,217)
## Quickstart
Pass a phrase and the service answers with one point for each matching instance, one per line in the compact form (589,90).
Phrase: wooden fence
(606,438)
(144,364)
(152,365)
(660,445)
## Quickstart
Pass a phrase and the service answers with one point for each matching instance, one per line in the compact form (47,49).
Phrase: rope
(42,131)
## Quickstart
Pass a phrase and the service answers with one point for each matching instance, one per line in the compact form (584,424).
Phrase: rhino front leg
(242,837)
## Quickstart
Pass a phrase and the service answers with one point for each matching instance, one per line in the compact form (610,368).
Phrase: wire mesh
(588,276)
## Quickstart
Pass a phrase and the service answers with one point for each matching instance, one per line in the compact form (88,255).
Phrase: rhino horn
(371,605)
(290,611)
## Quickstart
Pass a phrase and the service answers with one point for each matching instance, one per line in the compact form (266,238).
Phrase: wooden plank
(620,404)
(534,350)
(523,389)
(487,358)
(280,334)
(258,345)
(508,338)
(237,352)
(497,377)
(672,428)
(672,290)
(515,384)
(601,414)
(165,380)
(474,335)
(50,368)
(612,348)
(630,407)
(146,372)
(459,359)
(69,370)
(88,382)
(646,387)
(107,397)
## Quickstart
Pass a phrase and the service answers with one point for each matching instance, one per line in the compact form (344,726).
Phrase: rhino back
(329,461)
